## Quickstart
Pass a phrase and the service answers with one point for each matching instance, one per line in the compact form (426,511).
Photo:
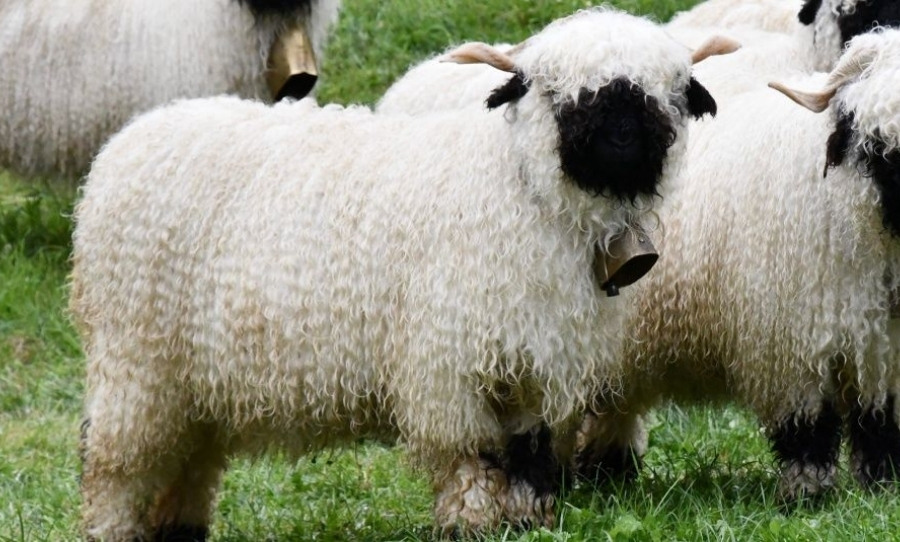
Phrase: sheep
(778,278)
(247,277)
(767,15)
(436,85)
(73,76)
(813,45)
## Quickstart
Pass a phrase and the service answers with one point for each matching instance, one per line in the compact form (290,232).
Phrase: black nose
(624,133)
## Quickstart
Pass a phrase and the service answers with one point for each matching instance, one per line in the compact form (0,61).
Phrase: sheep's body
(434,85)
(767,15)
(242,280)
(775,281)
(72,77)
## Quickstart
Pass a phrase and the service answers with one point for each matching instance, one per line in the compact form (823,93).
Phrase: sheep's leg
(534,479)
(468,496)
(115,495)
(874,443)
(133,446)
(807,448)
(610,446)
(183,510)
(518,485)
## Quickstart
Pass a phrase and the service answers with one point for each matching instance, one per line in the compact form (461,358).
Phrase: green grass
(708,476)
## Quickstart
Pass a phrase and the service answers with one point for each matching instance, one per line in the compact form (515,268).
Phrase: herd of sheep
(251,272)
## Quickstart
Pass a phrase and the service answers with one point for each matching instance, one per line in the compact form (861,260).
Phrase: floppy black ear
(808,12)
(510,91)
(838,142)
(700,102)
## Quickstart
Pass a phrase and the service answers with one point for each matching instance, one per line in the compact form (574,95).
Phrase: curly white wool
(74,74)
(247,276)
(774,280)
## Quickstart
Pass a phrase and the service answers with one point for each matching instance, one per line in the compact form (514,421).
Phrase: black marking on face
(700,101)
(614,141)
(874,443)
(883,167)
(510,91)
(867,15)
(839,141)
(277,8)
(808,12)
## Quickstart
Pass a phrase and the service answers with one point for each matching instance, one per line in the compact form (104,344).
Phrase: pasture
(708,474)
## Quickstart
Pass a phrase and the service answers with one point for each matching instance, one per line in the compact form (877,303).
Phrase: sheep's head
(859,93)
(836,22)
(618,89)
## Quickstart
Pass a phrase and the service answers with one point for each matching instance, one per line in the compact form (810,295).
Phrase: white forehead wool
(593,47)
(874,96)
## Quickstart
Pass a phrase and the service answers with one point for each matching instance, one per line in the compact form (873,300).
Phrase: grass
(708,475)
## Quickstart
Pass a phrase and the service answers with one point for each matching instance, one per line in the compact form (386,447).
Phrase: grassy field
(709,474)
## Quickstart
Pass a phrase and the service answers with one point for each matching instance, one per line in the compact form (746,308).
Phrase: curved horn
(481,53)
(716,45)
(848,67)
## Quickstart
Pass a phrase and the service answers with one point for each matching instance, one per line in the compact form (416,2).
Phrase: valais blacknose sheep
(74,73)
(247,277)
(778,279)
(814,41)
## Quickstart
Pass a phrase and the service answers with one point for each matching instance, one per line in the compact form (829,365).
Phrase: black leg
(874,443)
(181,533)
(807,449)
(612,464)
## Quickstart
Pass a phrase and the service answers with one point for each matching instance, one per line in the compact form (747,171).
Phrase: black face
(277,8)
(877,163)
(614,142)
(867,15)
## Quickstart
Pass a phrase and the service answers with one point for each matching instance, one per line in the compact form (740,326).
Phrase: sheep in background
(778,278)
(247,277)
(767,15)
(433,85)
(815,44)
(74,73)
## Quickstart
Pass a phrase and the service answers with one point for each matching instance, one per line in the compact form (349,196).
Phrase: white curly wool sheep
(74,73)
(778,276)
(815,42)
(246,277)
(768,15)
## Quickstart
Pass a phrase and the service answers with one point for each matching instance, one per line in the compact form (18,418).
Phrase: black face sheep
(74,73)
(820,32)
(778,278)
(247,277)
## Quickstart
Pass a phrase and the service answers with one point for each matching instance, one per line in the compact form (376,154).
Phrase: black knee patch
(530,457)
(809,441)
(874,443)
(181,533)
(614,464)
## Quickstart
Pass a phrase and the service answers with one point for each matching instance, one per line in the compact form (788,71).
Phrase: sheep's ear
(510,91)
(481,53)
(808,12)
(716,45)
(700,102)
